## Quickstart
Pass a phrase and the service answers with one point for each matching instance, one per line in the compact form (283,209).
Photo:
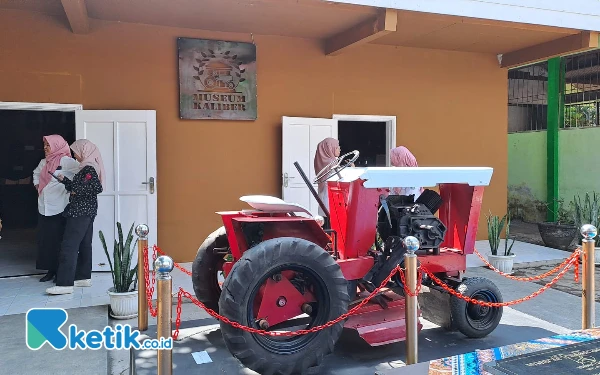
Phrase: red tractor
(286,270)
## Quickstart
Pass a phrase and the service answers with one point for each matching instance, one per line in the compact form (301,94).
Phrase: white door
(127,142)
(300,139)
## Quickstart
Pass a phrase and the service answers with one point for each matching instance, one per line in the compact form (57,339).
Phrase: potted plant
(588,212)
(559,234)
(123,294)
(503,263)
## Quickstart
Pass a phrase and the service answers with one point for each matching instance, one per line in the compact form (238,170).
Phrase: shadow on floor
(352,356)
(18,252)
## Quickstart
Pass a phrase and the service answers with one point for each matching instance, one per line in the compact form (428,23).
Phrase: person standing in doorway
(402,157)
(75,258)
(52,200)
(328,150)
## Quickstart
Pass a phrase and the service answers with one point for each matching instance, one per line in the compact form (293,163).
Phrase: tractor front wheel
(270,288)
(207,267)
(474,320)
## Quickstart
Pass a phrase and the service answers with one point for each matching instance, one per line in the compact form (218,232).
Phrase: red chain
(150,282)
(568,263)
(499,304)
(189,273)
(178,316)
(538,277)
(331,323)
(419,278)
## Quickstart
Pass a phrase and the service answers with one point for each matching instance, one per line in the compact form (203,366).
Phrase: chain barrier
(538,277)
(568,263)
(500,304)
(149,283)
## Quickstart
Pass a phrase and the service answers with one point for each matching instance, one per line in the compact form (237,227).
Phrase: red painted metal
(357,268)
(449,261)
(378,326)
(272,292)
(227,266)
(460,213)
(353,211)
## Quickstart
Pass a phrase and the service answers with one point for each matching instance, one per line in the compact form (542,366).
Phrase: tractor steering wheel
(336,166)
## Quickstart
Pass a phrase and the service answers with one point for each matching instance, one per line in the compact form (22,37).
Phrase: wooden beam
(586,40)
(77,14)
(383,24)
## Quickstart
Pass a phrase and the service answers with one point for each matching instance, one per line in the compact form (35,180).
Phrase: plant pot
(123,305)
(502,263)
(557,236)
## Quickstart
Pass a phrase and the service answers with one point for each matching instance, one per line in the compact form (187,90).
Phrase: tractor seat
(270,204)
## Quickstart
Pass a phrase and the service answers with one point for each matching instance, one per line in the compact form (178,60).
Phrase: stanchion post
(142,233)
(588,287)
(164,285)
(411,313)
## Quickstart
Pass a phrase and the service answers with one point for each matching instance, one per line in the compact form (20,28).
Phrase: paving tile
(69,304)
(95,301)
(10,291)
(23,307)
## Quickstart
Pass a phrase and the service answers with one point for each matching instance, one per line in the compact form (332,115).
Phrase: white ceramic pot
(502,263)
(123,305)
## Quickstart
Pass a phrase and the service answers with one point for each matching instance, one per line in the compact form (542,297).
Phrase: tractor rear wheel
(279,262)
(473,320)
(206,269)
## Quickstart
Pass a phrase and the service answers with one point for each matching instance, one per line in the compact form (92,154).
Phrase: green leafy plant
(124,276)
(563,215)
(587,212)
(495,227)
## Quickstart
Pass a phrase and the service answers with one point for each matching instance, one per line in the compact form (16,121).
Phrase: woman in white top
(402,157)
(52,200)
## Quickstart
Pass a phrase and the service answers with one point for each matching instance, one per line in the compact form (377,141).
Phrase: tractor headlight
(320,220)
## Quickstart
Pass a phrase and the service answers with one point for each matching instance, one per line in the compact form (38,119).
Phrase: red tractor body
(286,269)
(354,210)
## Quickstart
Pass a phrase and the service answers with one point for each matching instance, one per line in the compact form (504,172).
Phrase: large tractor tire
(473,320)
(295,259)
(206,268)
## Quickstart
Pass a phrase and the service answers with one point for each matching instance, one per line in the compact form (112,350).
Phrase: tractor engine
(401,216)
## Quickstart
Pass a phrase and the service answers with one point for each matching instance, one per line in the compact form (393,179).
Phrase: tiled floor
(17,295)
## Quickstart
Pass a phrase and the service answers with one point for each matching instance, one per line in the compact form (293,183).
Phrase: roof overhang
(576,14)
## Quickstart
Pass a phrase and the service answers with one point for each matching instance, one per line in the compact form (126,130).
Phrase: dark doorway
(21,149)
(369,138)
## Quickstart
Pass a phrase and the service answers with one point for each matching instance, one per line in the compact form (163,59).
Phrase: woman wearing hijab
(402,157)
(75,258)
(52,200)
(327,151)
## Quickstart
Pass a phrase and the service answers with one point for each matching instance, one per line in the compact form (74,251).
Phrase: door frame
(32,106)
(390,127)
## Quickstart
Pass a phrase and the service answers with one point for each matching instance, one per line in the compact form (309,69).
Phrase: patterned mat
(472,363)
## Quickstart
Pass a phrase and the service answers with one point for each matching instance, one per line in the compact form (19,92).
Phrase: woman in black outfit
(75,258)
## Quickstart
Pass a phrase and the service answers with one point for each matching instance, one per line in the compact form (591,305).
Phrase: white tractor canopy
(385,177)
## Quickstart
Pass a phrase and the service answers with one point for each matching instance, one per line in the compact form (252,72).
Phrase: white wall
(576,14)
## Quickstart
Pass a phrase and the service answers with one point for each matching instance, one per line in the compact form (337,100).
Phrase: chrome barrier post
(411,313)
(142,233)
(588,287)
(164,284)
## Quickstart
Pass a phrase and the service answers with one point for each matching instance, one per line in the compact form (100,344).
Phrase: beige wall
(450,107)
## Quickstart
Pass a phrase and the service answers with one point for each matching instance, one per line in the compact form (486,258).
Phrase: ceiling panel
(304,18)
(53,7)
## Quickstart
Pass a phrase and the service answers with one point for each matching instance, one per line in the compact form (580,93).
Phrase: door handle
(286,179)
(151,183)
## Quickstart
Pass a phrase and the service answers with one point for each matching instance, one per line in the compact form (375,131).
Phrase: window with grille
(528,98)
(582,90)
